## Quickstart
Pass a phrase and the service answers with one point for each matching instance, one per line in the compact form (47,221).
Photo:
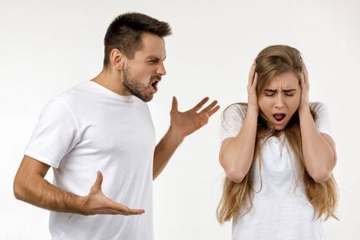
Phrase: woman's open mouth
(279,117)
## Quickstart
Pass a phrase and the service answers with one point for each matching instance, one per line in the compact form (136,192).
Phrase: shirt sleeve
(55,134)
(231,122)
(322,119)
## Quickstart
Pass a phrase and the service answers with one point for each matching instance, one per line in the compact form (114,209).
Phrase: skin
(283,94)
(280,96)
(124,76)
(319,160)
(236,154)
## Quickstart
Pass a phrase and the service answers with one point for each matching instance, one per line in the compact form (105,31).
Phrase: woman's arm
(318,148)
(236,154)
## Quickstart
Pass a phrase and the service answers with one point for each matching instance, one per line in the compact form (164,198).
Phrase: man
(104,126)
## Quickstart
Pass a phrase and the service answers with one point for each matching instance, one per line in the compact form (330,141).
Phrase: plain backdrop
(48,46)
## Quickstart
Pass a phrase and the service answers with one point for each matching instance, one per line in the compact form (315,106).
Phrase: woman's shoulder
(317,107)
(238,109)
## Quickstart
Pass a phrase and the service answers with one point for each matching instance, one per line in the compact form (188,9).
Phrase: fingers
(200,104)
(124,210)
(252,74)
(117,208)
(254,83)
(98,203)
(174,105)
(98,182)
(304,82)
(211,109)
(114,208)
(304,69)
(306,74)
(214,110)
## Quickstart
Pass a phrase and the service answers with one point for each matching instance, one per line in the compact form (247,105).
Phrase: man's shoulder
(76,93)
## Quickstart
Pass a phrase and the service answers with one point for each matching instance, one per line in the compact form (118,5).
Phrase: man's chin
(146,98)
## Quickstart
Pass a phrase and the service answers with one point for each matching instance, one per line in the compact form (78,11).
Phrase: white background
(48,46)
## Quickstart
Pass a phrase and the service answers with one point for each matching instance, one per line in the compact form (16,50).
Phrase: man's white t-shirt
(88,129)
(281,210)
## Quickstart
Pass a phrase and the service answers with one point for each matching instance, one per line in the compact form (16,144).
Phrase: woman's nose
(279,103)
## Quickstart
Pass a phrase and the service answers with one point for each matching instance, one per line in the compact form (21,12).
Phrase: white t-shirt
(281,210)
(90,128)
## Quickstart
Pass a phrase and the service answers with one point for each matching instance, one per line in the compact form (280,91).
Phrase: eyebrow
(270,90)
(151,57)
(289,90)
(275,90)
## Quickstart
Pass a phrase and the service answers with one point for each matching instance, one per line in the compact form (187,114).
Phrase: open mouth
(154,85)
(279,116)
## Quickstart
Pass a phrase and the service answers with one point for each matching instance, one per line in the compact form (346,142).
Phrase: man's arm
(182,124)
(30,186)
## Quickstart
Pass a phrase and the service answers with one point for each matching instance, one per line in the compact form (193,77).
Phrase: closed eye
(153,61)
(269,92)
(289,92)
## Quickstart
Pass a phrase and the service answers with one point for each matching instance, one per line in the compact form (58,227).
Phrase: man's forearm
(31,187)
(165,149)
(41,193)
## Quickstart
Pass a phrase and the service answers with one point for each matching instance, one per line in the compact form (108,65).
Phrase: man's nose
(161,69)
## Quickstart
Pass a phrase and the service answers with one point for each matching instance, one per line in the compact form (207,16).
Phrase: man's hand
(97,203)
(185,123)
(30,186)
(182,125)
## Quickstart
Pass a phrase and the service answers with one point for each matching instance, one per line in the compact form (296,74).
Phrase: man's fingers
(98,182)
(118,208)
(211,109)
(134,212)
(200,104)
(214,110)
(174,105)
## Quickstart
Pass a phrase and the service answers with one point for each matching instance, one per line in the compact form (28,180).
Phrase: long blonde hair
(271,62)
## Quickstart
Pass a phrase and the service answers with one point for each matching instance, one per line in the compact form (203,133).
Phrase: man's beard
(135,88)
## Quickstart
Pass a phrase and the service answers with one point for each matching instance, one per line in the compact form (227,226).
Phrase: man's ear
(117,59)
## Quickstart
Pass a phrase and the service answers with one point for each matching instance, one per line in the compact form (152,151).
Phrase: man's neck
(111,80)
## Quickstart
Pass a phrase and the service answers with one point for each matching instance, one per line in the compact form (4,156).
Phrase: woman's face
(280,99)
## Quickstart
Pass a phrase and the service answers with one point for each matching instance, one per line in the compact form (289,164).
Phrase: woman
(278,154)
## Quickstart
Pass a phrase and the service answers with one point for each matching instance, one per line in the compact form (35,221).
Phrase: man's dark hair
(125,33)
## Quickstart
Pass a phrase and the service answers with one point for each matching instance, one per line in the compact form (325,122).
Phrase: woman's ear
(117,59)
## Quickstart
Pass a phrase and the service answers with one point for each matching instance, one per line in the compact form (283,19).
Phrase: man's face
(142,73)
(280,99)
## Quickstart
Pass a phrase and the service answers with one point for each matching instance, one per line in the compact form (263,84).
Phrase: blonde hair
(271,62)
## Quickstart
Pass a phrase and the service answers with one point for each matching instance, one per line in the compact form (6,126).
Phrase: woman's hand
(251,88)
(305,86)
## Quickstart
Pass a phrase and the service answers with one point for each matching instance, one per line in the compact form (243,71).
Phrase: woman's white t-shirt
(281,210)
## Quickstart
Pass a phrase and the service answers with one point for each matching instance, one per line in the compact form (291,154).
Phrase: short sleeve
(55,134)
(232,120)
(322,120)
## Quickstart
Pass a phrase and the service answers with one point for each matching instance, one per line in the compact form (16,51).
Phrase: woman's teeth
(279,116)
